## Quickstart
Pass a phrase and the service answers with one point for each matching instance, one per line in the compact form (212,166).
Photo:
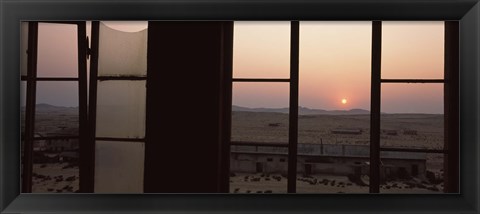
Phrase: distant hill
(43,107)
(302,111)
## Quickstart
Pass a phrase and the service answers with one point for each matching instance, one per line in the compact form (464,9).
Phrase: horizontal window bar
(383,149)
(120,139)
(55,137)
(412,80)
(51,78)
(104,78)
(243,143)
(259,80)
(62,22)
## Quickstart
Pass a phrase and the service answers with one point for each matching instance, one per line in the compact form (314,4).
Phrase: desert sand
(273,127)
(398,130)
(55,178)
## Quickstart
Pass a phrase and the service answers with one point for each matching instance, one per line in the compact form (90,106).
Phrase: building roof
(330,150)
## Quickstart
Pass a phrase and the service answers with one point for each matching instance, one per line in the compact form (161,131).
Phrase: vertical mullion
(293,109)
(30,109)
(451,107)
(375,107)
(226,105)
(87,156)
(82,100)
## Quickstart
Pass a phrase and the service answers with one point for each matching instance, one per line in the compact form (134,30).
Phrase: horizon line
(277,108)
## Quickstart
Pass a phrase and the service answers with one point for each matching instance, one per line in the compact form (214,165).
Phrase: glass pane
(412,116)
(122,53)
(57,50)
(23,48)
(260,112)
(261,49)
(119,167)
(334,99)
(121,109)
(258,169)
(412,49)
(55,166)
(127,26)
(56,112)
(404,172)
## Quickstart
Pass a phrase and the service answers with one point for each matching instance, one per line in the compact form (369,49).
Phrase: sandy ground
(55,178)
(260,183)
(256,127)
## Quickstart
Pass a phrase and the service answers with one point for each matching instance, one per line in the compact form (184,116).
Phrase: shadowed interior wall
(185,80)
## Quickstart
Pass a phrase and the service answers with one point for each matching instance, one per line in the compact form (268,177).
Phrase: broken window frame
(92,117)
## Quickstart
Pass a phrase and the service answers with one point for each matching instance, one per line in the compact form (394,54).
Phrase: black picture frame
(14,11)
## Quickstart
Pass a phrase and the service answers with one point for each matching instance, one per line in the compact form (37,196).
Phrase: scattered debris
(274,124)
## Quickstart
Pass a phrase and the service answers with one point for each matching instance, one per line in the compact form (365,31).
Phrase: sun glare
(344,101)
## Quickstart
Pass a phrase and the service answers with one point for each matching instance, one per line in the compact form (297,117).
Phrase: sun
(344,101)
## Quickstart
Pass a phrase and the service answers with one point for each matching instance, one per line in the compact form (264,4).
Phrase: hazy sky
(335,62)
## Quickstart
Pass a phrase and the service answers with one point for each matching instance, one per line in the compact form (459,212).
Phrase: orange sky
(335,60)
(334,63)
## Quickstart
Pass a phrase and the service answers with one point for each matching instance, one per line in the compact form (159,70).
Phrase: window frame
(293,107)
(31,80)
(451,100)
(467,12)
(90,150)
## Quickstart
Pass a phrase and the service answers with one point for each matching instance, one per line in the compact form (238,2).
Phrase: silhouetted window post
(375,107)
(293,109)
(451,109)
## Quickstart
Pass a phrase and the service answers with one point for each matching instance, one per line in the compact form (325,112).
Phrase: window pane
(119,167)
(121,109)
(261,49)
(404,172)
(127,26)
(122,53)
(334,99)
(56,112)
(258,169)
(412,49)
(260,112)
(55,166)
(412,116)
(23,48)
(57,50)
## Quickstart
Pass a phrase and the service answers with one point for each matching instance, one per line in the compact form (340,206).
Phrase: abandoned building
(330,159)
(56,144)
